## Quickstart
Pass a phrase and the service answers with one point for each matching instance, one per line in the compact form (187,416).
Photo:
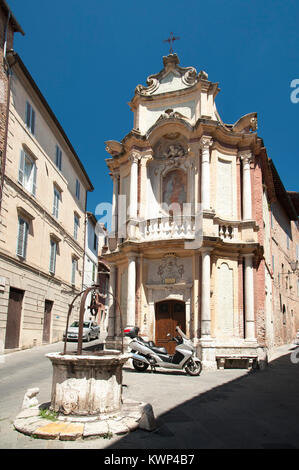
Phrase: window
(93,272)
(57,198)
(27,173)
(95,242)
(288,242)
(297,252)
(22,237)
(298,287)
(76,226)
(53,252)
(30,118)
(77,189)
(74,269)
(273,264)
(58,160)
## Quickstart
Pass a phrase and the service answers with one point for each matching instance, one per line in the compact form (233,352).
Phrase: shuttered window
(58,160)
(77,189)
(74,268)
(27,173)
(76,226)
(23,230)
(57,197)
(30,118)
(53,252)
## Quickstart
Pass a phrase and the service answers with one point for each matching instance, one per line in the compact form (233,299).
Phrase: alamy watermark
(164,221)
(295,93)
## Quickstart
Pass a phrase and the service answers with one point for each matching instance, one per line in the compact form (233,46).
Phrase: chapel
(190,213)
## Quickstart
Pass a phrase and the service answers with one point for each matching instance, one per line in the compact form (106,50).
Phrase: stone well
(87,385)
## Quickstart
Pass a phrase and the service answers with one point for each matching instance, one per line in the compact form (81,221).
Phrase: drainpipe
(7,69)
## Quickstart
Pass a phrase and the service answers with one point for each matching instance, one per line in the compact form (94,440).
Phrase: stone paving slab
(66,428)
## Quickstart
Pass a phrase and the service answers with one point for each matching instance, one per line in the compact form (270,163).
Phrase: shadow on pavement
(256,411)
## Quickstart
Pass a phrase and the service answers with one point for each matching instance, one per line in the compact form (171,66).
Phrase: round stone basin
(86,385)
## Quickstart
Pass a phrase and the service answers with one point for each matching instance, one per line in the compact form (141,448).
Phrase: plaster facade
(41,246)
(191,200)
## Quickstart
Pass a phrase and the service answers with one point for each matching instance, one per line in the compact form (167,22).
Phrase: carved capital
(205,142)
(246,156)
(146,159)
(134,157)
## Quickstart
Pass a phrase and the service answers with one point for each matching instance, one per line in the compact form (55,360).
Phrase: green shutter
(32,128)
(53,251)
(21,168)
(34,169)
(22,238)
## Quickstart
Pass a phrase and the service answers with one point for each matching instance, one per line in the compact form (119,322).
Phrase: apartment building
(42,234)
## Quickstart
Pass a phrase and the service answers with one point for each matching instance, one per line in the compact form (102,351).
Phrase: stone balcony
(187,228)
(165,228)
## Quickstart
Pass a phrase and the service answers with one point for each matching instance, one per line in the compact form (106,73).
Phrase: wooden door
(47,321)
(13,325)
(169,314)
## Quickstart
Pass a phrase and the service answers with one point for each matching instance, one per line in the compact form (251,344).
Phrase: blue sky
(87,58)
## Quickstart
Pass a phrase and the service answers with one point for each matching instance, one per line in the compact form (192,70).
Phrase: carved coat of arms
(169,271)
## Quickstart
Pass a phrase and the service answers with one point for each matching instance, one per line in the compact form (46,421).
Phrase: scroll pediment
(171,78)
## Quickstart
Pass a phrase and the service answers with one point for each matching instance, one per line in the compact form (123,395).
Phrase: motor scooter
(146,354)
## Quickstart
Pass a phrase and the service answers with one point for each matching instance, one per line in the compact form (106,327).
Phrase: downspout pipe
(7,70)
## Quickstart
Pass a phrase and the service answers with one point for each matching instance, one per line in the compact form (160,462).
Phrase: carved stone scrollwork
(190,77)
(169,271)
(173,151)
(206,142)
(153,85)
(246,156)
(170,113)
(134,157)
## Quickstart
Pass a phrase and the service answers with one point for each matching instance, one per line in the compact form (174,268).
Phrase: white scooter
(145,354)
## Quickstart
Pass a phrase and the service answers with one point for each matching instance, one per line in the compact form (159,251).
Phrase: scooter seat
(159,350)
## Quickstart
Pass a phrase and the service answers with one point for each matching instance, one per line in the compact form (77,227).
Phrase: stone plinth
(87,385)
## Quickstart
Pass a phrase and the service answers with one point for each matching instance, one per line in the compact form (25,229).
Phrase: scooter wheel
(140,366)
(193,368)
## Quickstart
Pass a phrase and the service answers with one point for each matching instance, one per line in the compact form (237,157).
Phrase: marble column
(246,157)
(205,293)
(207,343)
(144,161)
(111,302)
(134,158)
(114,225)
(131,290)
(205,145)
(249,299)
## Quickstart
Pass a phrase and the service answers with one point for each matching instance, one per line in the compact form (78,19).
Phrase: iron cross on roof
(170,40)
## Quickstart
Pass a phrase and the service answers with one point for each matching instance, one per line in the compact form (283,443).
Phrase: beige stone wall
(37,288)
(32,274)
(285,294)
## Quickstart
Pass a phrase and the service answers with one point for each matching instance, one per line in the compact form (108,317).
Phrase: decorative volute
(174,93)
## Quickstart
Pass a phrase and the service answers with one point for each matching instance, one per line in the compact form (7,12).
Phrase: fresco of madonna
(175,188)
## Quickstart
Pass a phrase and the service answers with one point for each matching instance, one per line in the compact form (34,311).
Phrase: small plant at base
(48,414)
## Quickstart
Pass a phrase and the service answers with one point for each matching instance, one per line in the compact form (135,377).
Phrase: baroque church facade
(189,245)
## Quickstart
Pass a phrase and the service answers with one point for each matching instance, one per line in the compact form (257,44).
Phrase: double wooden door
(169,314)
